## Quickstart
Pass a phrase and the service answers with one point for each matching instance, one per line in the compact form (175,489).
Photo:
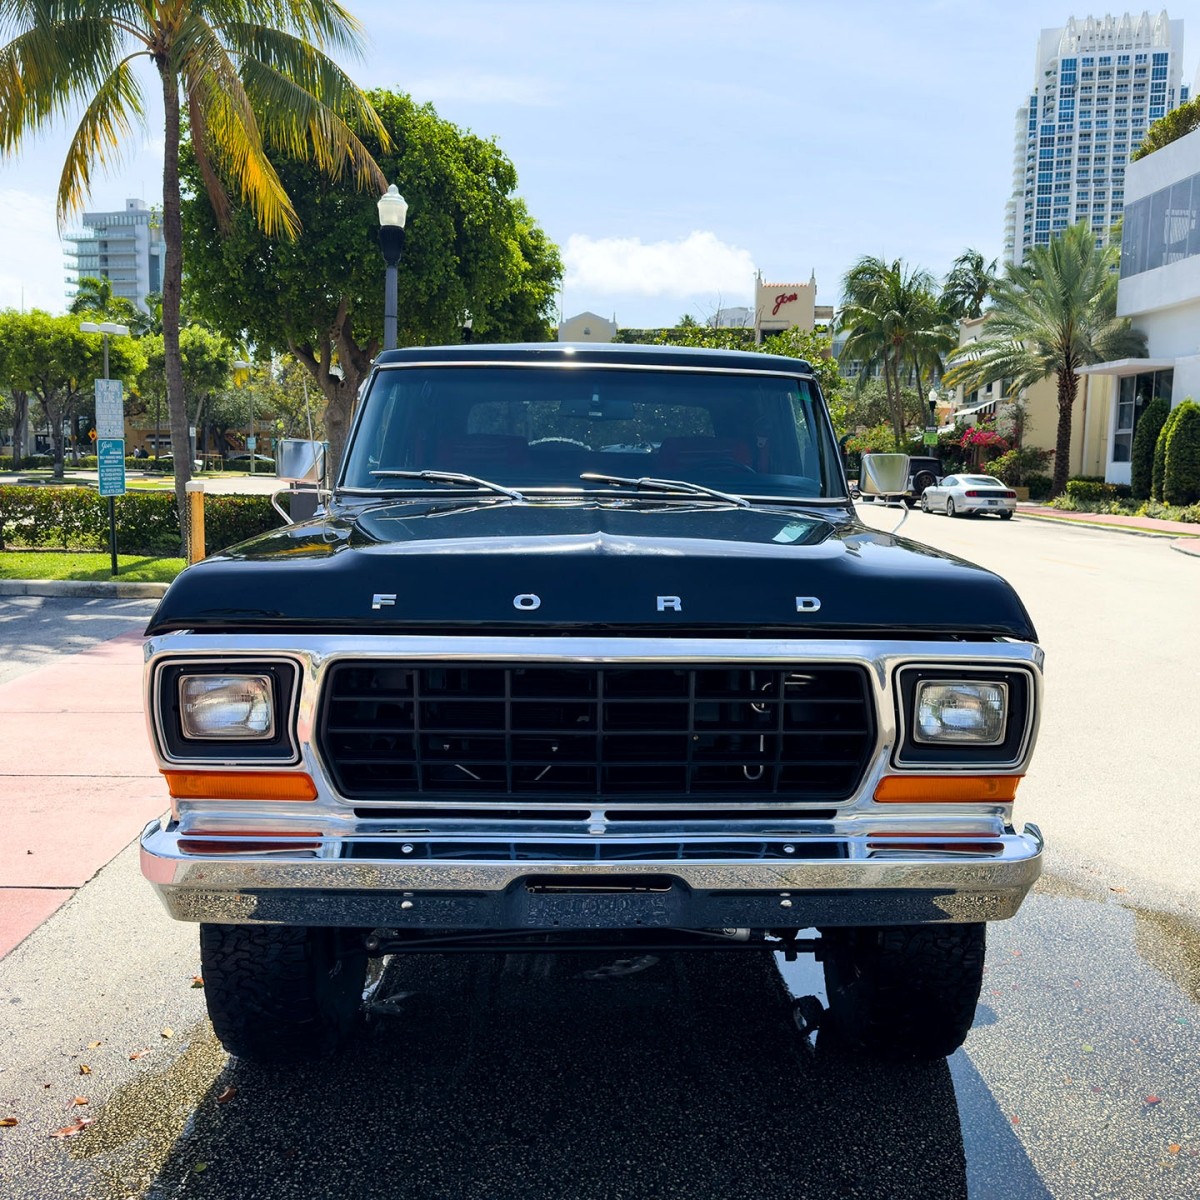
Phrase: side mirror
(884,475)
(300,461)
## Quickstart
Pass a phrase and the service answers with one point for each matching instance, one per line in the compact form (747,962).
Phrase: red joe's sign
(782,299)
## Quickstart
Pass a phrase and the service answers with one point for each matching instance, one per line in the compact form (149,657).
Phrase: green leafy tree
(1177,123)
(969,284)
(247,75)
(895,320)
(1052,315)
(1181,467)
(816,348)
(206,359)
(56,364)
(470,247)
(1141,466)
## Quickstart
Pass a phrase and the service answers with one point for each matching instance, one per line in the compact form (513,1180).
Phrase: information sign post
(110,452)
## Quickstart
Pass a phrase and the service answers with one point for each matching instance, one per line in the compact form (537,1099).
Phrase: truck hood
(621,566)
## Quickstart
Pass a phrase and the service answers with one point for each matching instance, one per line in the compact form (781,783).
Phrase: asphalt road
(510,1077)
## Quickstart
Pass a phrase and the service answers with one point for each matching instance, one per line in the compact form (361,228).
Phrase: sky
(671,148)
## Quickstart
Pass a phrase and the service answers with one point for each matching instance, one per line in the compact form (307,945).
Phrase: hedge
(76,518)
(1181,469)
(1096,489)
(1160,454)
(1144,440)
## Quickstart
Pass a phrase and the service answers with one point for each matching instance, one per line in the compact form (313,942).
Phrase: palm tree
(248,74)
(970,282)
(1052,315)
(895,321)
(94,295)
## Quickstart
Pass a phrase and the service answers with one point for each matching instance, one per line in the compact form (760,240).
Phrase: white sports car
(965,495)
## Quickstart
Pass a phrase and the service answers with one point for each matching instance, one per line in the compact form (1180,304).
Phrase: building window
(1133,396)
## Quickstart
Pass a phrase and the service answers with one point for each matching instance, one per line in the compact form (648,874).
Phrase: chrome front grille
(625,734)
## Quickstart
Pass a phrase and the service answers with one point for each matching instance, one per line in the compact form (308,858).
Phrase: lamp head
(393,208)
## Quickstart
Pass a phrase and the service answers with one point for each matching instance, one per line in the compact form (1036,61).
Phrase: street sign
(931,438)
(110,453)
(110,410)
(252,443)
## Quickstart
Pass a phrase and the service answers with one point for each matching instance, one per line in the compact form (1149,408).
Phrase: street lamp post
(252,441)
(105,328)
(393,211)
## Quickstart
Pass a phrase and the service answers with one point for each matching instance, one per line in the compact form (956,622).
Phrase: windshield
(525,427)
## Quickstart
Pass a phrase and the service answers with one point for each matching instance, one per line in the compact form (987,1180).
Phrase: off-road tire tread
(905,991)
(270,993)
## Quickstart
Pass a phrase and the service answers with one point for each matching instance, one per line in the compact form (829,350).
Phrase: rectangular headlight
(966,712)
(226,707)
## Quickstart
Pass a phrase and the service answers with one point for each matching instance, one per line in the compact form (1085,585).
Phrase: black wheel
(950,508)
(904,991)
(282,993)
(1006,516)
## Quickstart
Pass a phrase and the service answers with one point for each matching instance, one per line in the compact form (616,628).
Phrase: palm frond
(102,135)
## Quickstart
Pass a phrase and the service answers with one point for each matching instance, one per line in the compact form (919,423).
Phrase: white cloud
(474,88)
(31,256)
(699,264)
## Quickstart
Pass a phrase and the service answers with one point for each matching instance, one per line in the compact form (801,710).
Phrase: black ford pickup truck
(588,649)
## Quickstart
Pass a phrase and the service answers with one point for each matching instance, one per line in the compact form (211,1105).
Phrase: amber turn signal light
(947,789)
(240,785)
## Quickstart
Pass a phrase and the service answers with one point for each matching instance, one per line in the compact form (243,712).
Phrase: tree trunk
(20,416)
(895,400)
(171,294)
(1068,386)
(53,412)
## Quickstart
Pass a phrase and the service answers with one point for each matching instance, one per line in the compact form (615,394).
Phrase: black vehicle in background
(924,471)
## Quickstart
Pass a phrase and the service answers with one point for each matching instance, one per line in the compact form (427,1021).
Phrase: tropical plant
(1052,315)
(94,295)
(895,321)
(1141,465)
(1181,471)
(970,282)
(1178,122)
(248,74)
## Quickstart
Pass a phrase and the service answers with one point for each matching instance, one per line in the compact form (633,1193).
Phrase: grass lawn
(71,564)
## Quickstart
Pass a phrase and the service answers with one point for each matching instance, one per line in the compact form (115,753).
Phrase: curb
(1187,546)
(1136,531)
(85,588)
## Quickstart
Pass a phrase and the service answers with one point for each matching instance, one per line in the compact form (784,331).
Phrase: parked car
(966,495)
(241,462)
(923,472)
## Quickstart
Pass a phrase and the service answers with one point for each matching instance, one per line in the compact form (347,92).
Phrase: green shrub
(1096,490)
(1040,486)
(1016,466)
(1144,440)
(76,518)
(1160,455)
(1181,465)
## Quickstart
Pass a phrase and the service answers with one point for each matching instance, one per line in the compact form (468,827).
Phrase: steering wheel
(561,441)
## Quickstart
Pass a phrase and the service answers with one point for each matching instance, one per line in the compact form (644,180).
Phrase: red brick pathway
(77,780)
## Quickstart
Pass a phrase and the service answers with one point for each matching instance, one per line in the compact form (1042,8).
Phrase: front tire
(906,991)
(950,508)
(925,503)
(282,993)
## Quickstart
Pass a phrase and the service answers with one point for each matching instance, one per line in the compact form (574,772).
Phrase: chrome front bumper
(785,882)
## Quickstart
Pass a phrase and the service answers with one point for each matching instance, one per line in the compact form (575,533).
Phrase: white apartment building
(1097,86)
(125,247)
(1160,292)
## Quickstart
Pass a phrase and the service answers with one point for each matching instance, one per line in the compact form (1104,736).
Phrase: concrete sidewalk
(1181,535)
(77,779)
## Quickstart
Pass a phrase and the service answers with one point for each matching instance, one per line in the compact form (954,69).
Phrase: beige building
(1090,418)
(587,327)
(780,306)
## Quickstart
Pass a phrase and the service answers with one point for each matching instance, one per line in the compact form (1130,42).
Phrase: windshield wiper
(668,485)
(452,477)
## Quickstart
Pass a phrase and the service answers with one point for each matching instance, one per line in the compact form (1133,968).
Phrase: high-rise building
(126,248)
(1098,85)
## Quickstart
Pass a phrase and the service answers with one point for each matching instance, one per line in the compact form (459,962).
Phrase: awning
(1127,366)
(987,408)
